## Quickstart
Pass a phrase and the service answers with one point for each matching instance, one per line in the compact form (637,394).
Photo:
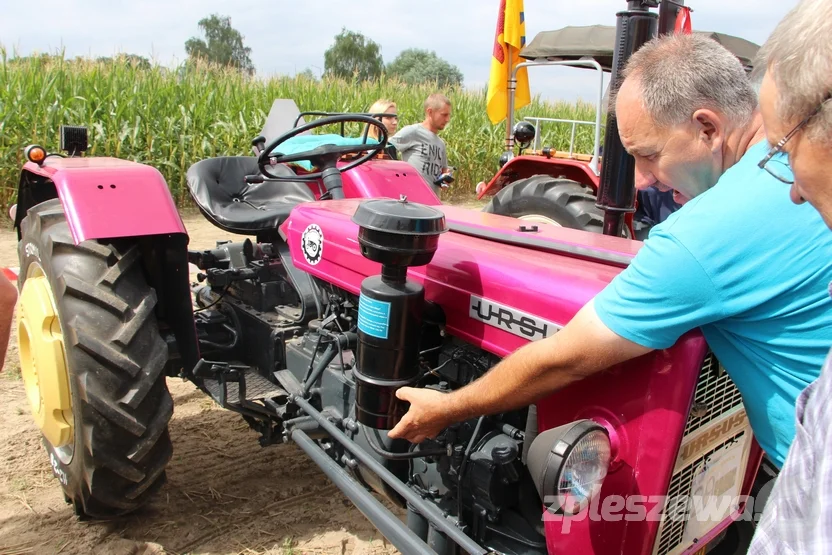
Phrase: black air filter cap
(400,217)
(398,232)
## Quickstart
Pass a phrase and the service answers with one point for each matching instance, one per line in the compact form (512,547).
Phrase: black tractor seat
(218,187)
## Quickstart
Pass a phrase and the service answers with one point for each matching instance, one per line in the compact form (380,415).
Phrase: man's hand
(427,416)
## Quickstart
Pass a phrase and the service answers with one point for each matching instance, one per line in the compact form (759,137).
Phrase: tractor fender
(102,197)
(524,166)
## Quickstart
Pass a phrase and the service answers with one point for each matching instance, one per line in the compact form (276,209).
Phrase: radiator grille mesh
(715,395)
(677,509)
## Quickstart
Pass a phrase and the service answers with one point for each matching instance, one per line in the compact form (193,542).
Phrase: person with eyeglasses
(794,103)
(728,262)
(385,111)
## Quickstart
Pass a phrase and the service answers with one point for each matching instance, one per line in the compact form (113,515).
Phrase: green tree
(224,44)
(134,60)
(308,74)
(353,54)
(414,66)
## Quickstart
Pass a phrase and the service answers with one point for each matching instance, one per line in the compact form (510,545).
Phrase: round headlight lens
(583,472)
(568,465)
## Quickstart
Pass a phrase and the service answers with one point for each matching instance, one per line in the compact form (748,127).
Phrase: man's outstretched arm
(583,347)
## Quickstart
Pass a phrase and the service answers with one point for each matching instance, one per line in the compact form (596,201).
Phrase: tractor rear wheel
(547,199)
(92,363)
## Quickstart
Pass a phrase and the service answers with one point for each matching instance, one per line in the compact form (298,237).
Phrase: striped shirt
(797,518)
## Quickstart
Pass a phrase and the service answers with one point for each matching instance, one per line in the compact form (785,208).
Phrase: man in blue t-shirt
(729,262)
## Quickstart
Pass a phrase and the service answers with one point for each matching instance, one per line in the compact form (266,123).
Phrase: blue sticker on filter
(373,317)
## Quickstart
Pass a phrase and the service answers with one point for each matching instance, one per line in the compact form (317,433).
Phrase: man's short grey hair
(437,101)
(679,74)
(799,56)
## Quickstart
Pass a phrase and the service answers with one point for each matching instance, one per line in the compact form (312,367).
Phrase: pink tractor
(351,280)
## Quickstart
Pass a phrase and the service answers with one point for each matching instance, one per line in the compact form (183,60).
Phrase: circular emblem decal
(312,244)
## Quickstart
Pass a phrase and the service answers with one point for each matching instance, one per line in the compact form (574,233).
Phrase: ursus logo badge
(312,244)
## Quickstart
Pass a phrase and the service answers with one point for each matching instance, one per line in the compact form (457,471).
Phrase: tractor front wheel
(547,199)
(92,363)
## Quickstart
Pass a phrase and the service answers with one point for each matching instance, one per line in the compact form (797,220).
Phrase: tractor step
(257,387)
(219,376)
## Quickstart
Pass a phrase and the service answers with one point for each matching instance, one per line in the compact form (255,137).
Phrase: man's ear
(709,127)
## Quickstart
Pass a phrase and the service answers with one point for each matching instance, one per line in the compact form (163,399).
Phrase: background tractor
(543,184)
(349,281)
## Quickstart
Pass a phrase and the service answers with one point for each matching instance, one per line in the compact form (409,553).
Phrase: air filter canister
(398,234)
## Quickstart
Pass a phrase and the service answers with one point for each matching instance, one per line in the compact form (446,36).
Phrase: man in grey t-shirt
(419,144)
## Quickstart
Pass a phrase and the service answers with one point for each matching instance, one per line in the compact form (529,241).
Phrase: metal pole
(572,139)
(596,151)
(579,63)
(512,89)
(393,529)
(429,511)
(537,134)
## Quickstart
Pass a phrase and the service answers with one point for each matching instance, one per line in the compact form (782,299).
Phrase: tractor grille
(715,395)
(676,515)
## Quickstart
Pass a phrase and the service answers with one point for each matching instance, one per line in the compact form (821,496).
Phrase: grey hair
(798,55)
(437,101)
(681,73)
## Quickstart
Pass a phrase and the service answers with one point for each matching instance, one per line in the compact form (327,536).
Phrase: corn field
(172,118)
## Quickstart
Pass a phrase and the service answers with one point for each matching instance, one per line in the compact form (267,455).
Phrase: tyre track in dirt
(283,503)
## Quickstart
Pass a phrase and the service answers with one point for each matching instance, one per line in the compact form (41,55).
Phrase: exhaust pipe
(616,191)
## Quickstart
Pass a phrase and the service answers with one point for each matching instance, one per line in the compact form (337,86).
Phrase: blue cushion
(304,143)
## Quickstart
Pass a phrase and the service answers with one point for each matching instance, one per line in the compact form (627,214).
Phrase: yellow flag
(511,30)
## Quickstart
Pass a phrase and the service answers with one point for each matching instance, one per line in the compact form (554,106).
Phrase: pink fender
(109,197)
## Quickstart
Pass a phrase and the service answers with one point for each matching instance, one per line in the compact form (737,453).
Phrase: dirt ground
(224,494)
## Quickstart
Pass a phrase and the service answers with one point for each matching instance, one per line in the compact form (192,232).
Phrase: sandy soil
(224,495)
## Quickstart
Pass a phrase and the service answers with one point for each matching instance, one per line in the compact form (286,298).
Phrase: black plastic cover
(400,217)
(398,233)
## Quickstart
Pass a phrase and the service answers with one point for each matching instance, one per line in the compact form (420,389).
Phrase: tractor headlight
(524,134)
(568,465)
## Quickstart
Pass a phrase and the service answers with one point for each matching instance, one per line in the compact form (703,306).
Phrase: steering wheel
(324,157)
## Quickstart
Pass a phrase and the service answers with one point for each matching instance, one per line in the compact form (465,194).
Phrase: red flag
(683,21)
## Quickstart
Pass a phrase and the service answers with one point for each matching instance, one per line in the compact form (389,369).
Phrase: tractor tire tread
(116,359)
(538,194)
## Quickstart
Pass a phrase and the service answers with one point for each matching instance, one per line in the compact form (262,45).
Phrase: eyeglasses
(779,168)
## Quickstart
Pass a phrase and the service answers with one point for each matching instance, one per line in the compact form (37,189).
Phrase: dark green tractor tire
(543,198)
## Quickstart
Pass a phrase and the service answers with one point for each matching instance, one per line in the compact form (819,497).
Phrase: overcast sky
(287,36)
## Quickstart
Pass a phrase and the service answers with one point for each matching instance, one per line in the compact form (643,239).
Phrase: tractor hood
(499,286)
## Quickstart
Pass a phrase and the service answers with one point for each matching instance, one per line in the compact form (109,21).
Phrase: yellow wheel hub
(43,359)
